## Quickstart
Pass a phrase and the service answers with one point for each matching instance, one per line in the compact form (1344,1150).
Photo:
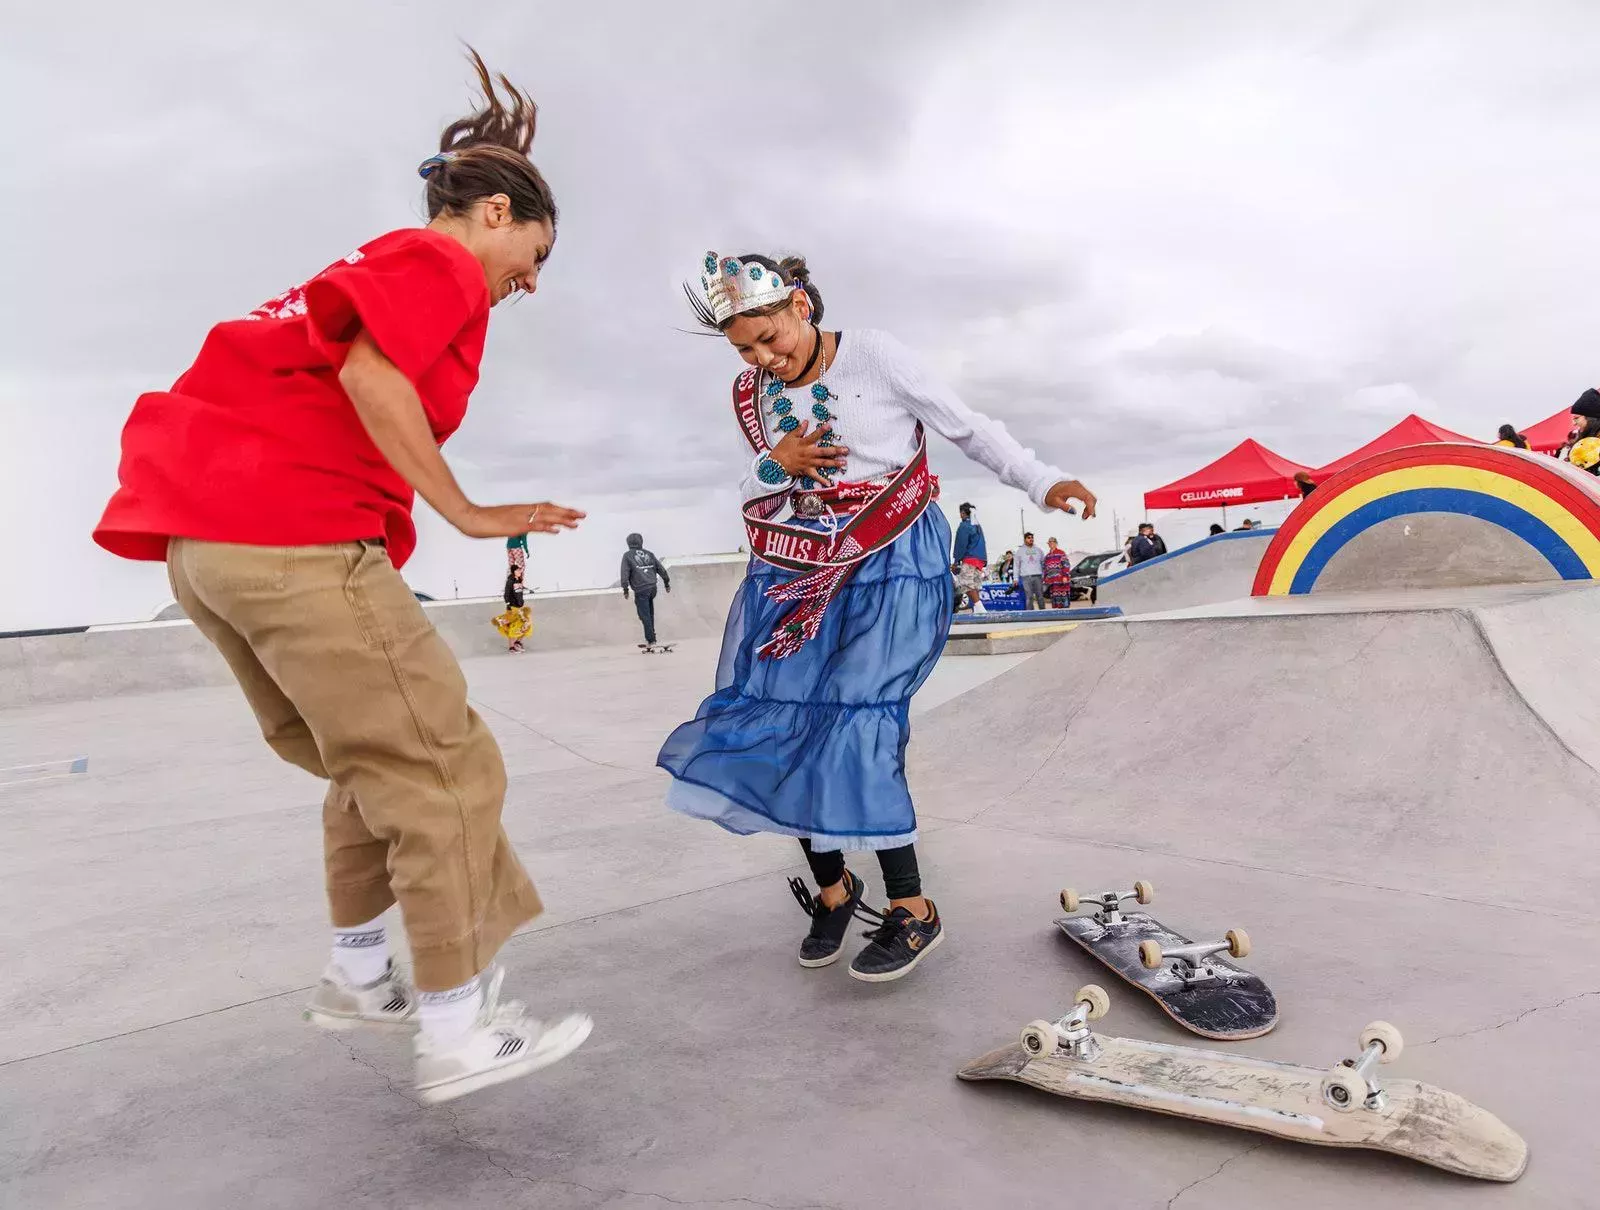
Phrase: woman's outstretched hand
(802,455)
(509,520)
(1062,494)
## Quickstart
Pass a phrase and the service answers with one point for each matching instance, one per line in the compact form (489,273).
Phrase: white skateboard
(1341,1106)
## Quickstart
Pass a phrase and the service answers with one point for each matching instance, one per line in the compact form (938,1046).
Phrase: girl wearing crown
(846,606)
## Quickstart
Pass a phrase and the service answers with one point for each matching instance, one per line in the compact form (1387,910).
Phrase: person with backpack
(639,571)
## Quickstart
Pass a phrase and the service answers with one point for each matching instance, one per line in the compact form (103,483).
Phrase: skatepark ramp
(105,661)
(1441,742)
(1439,516)
(1218,568)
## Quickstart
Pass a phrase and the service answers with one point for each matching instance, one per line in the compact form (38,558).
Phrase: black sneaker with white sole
(896,946)
(828,925)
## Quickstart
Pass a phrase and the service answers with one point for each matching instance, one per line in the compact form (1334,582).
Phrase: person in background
(1147,545)
(1006,569)
(1303,480)
(1216,529)
(1248,525)
(515,618)
(969,556)
(1057,576)
(1030,573)
(517,553)
(1510,436)
(640,568)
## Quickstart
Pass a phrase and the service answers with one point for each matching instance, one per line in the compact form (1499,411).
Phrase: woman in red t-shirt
(276,479)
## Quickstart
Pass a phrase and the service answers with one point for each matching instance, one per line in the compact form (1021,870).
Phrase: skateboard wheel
(1039,1038)
(1386,1035)
(1150,954)
(1238,942)
(1143,891)
(1343,1089)
(1069,901)
(1095,997)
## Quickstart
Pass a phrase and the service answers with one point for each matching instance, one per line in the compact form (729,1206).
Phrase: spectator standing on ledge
(1147,545)
(517,553)
(1057,577)
(1303,480)
(1030,573)
(968,558)
(639,571)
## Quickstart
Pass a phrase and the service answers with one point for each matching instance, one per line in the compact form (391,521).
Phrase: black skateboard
(1194,984)
(657,648)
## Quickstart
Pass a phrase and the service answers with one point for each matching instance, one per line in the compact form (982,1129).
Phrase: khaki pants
(350,681)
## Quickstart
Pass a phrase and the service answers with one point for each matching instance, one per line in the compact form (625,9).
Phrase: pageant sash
(861,519)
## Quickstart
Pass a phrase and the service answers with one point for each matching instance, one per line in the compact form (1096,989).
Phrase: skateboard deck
(1209,996)
(1408,1118)
(658,649)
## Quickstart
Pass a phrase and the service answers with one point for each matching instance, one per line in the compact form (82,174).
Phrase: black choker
(816,349)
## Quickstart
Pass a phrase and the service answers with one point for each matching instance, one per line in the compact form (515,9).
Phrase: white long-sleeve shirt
(883,391)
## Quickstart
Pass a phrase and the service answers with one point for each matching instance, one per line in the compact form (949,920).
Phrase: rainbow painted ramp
(1439,516)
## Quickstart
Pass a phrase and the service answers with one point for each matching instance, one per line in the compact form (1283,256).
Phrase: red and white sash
(877,513)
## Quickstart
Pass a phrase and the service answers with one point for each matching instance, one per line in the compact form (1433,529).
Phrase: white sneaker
(503,1043)
(387,1002)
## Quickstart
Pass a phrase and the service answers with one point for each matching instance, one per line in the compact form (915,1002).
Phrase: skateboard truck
(1109,902)
(1353,1084)
(1188,962)
(1072,1031)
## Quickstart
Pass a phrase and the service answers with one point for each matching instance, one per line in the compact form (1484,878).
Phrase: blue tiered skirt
(814,745)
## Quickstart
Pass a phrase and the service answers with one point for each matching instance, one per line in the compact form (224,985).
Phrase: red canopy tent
(1413,430)
(1247,474)
(1550,435)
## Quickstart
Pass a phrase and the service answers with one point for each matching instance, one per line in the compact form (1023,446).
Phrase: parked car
(1086,573)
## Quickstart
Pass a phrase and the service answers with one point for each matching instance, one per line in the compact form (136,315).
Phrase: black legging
(901,878)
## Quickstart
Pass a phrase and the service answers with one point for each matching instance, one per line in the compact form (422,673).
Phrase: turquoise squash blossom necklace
(783,407)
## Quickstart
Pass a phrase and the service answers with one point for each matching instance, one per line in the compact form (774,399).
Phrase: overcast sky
(1136,232)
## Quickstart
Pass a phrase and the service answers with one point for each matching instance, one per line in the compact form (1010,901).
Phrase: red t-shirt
(258,444)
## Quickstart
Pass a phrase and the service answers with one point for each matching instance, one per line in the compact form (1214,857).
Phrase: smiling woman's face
(779,343)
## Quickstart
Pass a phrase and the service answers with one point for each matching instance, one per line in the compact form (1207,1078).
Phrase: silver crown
(732,287)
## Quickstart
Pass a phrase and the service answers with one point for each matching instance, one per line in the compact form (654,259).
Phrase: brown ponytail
(487,153)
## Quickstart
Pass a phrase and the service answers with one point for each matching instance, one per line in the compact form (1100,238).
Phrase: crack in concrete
(1509,1021)
(1082,704)
(1238,1155)
(294,991)
(453,1117)
(639,774)
(362,1060)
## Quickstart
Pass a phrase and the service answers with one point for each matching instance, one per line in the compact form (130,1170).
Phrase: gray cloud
(1137,234)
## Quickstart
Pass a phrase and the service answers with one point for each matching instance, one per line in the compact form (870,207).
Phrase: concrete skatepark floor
(162,918)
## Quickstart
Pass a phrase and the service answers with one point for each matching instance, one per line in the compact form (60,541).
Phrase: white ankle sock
(362,951)
(446,1016)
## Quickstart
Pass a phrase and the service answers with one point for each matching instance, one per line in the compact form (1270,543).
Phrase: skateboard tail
(1003,1064)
